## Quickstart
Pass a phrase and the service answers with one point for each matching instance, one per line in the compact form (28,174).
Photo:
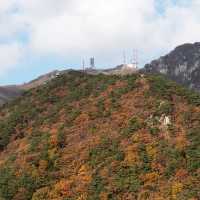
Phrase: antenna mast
(135,57)
(124,57)
(92,63)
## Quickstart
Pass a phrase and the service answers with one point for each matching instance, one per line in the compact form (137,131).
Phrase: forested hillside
(98,137)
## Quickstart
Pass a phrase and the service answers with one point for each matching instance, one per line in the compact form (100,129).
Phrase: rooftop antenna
(135,58)
(124,57)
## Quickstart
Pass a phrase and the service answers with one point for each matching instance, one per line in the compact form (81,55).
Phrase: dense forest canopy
(98,137)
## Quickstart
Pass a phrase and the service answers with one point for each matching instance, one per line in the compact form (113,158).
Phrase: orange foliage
(83,178)
(54,140)
(181,174)
(131,155)
(181,142)
(63,188)
(81,119)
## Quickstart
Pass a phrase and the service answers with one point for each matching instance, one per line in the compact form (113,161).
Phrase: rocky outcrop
(181,65)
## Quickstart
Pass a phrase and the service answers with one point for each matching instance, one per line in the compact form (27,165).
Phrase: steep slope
(90,137)
(181,65)
(8,93)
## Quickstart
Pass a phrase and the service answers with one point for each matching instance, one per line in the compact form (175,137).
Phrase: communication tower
(83,65)
(135,58)
(92,63)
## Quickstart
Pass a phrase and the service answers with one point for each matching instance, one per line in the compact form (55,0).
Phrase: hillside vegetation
(98,137)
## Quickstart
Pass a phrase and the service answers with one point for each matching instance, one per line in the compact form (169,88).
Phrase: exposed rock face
(181,65)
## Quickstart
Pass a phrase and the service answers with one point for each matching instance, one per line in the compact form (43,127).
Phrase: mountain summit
(8,93)
(99,137)
(181,65)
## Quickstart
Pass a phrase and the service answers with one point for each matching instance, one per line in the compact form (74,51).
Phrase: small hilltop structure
(125,68)
(133,64)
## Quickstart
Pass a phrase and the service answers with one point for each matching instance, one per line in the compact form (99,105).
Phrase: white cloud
(103,28)
(93,27)
(10,54)
(100,27)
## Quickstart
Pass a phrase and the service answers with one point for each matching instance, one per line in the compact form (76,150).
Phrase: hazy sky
(37,36)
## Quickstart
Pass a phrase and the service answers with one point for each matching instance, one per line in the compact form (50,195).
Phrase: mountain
(99,137)
(11,92)
(8,93)
(181,65)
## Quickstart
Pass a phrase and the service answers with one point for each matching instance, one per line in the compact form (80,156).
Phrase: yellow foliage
(52,153)
(83,169)
(150,178)
(176,188)
(34,173)
(135,138)
(151,151)
(83,178)
(82,197)
(84,174)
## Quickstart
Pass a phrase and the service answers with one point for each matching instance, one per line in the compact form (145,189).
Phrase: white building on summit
(130,66)
(133,65)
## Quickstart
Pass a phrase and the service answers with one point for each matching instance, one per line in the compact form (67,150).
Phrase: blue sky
(38,36)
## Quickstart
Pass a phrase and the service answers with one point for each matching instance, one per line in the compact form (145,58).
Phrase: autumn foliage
(98,137)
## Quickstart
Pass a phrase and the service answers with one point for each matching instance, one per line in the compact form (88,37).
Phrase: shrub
(164,107)
(61,138)
(133,126)
(193,150)
(145,164)
(164,88)
(96,187)
(101,107)
(106,150)
(127,180)
(154,131)
(10,184)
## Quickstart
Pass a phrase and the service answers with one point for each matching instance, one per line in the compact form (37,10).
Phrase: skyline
(37,36)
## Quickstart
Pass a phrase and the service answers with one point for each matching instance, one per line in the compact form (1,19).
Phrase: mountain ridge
(10,92)
(181,65)
(86,137)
